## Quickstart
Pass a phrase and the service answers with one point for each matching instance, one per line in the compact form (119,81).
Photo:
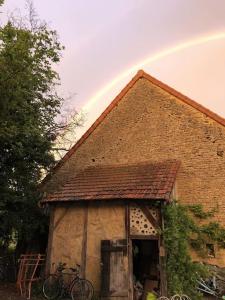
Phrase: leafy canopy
(29,104)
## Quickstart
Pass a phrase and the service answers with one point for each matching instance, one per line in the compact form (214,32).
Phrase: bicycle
(55,286)
(214,286)
(207,286)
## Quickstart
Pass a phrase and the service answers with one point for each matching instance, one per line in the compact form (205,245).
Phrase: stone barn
(151,145)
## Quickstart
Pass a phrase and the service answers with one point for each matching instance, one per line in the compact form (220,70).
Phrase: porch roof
(153,181)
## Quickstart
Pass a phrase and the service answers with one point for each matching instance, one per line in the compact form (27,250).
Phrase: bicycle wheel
(52,288)
(82,289)
(220,286)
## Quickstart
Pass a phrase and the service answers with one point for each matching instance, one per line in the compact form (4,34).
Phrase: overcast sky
(106,38)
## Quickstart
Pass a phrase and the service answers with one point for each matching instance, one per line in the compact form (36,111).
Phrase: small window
(210,248)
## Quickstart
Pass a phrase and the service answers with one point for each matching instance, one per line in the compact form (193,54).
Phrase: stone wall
(149,124)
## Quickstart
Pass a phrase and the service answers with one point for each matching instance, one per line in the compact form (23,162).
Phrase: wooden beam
(50,241)
(162,260)
(149,216)
(130,271)
(84,242)
(61,217)
(130,253)
(144,237)
(127,221)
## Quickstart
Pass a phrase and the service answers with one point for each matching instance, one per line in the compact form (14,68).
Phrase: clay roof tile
(142,181)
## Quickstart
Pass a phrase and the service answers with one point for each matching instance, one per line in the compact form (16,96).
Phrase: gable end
(140,74)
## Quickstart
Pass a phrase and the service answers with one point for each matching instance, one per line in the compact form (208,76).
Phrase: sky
(180,42)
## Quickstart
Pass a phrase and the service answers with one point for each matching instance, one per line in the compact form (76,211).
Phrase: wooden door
(114,279)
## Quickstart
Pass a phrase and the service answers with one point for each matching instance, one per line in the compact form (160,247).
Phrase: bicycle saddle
(73,269)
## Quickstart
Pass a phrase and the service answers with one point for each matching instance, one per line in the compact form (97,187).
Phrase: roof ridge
(140,74)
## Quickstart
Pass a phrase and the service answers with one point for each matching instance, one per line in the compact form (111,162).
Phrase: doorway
(146,271)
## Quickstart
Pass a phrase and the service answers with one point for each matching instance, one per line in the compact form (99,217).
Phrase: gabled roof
(140,74)
(151,181)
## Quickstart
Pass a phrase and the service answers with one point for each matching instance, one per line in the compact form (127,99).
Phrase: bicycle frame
(66,278)
(67,287)
(203,287)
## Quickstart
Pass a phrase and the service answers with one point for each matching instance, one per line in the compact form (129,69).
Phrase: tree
(29,105)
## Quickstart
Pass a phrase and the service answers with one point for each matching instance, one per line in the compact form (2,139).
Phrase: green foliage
(28,107)
(205,232)
(181,272)
(182,231)
(198,211)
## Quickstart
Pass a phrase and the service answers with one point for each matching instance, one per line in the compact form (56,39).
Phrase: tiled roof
(140,74)
(143,181)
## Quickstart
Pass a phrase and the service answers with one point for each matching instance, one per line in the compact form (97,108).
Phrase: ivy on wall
(185,227)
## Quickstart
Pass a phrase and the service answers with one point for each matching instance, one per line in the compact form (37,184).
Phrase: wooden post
(129,251)
(162,259)
(84,242)
(50,241)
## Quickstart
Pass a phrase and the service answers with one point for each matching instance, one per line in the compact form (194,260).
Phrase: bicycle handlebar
(62,266)
(75,269)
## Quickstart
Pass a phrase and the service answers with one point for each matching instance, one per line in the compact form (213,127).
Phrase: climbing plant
(183,231)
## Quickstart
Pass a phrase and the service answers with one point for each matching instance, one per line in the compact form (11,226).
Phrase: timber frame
(158,224)
(146,208)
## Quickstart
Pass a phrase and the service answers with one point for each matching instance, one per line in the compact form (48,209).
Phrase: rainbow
(195,42)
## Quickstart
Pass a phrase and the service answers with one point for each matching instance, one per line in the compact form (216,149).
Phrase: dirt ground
(9,292)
